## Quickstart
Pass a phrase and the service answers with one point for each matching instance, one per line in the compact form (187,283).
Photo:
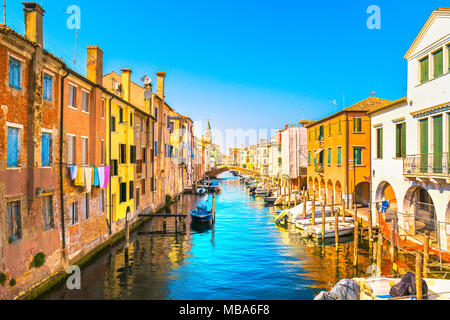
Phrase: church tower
(208,133)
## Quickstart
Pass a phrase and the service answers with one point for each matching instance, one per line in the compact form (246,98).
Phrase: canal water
(244,256)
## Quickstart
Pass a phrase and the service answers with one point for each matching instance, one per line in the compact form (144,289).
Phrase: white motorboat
(345,228)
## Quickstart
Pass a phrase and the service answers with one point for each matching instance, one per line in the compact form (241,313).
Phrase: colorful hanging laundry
(87,178)
(73,172)
(107,170)
(101,176)
(96,181)
(79,180)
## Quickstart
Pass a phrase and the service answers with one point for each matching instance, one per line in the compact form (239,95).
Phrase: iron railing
(430,164)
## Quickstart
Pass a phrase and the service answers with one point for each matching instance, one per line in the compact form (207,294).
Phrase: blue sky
(245,63)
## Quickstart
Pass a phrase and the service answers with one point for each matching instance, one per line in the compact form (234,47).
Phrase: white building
(263,157)
(293,153)
(275,156)
(411,137)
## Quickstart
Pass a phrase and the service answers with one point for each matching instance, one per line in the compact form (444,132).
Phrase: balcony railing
(429,164)
(319,168)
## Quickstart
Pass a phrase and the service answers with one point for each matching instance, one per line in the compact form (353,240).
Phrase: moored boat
(201,214)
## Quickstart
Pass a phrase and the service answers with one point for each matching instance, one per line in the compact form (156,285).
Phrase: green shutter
(423,145)
(403,137)
(309,157)
(339,126)
(438,59)
(357,156)
(329,129)
(380,143)
(339,155)
(437,143)
(329,156)
(424,70)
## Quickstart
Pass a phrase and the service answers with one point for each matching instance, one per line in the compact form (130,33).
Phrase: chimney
(126,80)
(33,22)
(94,63)
(160,84)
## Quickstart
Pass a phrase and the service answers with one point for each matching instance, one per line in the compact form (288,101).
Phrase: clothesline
(90,176)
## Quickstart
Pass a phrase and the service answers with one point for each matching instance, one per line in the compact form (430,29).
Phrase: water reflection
(244,256)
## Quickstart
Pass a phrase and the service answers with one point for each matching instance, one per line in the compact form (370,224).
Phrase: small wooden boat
(303,224)
(201,214)
(378,288)
(315,231)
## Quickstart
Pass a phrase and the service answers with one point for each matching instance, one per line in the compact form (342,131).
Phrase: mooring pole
(214,208)
(313,213)
(419,275)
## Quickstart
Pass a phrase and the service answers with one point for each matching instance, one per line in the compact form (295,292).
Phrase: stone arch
(323,190)
(386,192)
(338,192)
(330,191)
(362,193)
(316,185)
(419,204)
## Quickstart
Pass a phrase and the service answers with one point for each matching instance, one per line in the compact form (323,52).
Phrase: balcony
(319,168)
(429,166)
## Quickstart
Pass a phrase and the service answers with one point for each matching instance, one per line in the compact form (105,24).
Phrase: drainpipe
(61,137)
(110,171)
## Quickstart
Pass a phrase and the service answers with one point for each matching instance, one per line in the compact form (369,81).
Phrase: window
(131,119)
(14,221)
(156,114)
(101,201)
(315,133)
(339,126)
(121,115)
(15,81)
(84,150)
(114,167)
(357,125)
(72,96)
(424,70)
(309,157)
(143,186)
(131,186)
(438,62)
(103,108)
(71,149)
(156,148)
(113,124)
(46,149)
(85,101)
(329,155)
(47,209)
(102,152)
(123,153)
(329,129)
(12,148)
(400,140)
(379,143)
(85,206)
(144,155)
(73,213)
(48,86)
(123,192)
(339,156)
(357,156)
(132,154)
(321,133)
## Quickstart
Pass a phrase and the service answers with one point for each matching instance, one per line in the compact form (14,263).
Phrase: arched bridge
(221,169)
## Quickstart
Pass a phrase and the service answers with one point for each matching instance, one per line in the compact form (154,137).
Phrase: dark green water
(245,256)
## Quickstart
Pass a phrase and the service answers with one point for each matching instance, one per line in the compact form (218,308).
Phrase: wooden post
(214,208)
(289,195)
(336,224)
(370,226)
(343,211)
(393,240)
(323,222)
(419,275)
(305,198)
(313,213)
(426,252)
(355,239)
(379,254)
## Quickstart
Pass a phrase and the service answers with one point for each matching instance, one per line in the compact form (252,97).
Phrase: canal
(245,256)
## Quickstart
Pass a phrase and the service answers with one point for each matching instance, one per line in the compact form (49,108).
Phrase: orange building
(334,143)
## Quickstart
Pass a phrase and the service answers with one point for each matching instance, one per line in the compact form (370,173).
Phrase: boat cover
(345,289)
(407,287)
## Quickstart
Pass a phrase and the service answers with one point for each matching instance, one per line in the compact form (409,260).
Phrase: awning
(318,151)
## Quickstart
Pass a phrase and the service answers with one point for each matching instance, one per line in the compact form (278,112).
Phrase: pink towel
(101,176)
(107,169)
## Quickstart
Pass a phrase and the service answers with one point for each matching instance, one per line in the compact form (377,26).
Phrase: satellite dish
(146,80)
(147,94)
